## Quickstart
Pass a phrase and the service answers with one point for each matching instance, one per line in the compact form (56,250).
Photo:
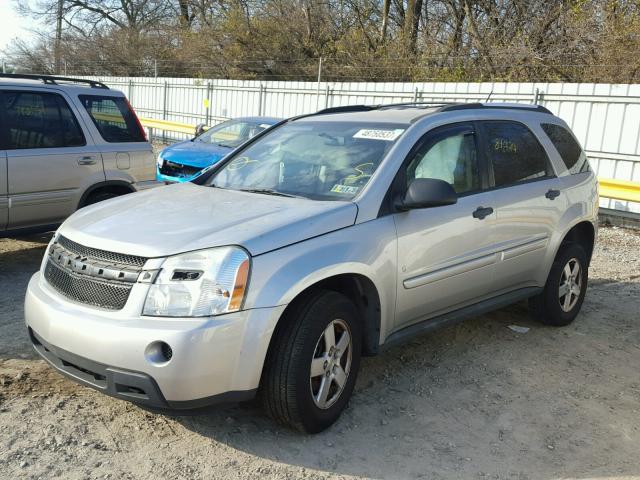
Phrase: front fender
(368,249)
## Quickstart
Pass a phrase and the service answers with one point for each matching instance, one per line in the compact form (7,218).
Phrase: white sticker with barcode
(375,134)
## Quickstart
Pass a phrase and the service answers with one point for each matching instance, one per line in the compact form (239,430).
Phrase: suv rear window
(38,120)
(569,149)
(515,153)
(113,118)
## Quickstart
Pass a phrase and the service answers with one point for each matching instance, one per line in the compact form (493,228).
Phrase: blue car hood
(195,154)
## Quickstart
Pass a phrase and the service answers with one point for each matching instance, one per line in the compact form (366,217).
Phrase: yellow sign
(206,103)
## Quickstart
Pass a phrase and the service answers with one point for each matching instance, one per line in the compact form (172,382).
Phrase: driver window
(451,158)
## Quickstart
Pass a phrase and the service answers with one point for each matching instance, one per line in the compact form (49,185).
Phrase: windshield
(232,133)
(312,159)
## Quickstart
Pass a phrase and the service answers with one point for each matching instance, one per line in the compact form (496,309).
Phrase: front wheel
(563,294)
(313,362)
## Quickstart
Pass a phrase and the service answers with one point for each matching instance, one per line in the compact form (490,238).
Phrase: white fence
(605,117)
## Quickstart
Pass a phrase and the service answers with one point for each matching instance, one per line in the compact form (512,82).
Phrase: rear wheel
(563,294)
(313,363)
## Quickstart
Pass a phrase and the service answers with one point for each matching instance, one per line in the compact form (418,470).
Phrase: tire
(288,392)
(551,307)
(99,197)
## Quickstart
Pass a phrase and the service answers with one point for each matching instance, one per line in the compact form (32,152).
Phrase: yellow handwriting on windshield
(361,173)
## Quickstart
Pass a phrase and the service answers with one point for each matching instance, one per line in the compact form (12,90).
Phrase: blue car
(183,161)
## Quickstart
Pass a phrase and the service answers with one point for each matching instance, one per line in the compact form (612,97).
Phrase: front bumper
(214,358)
(160,177)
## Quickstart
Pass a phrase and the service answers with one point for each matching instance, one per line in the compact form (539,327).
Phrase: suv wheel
(563,294)
(312,365)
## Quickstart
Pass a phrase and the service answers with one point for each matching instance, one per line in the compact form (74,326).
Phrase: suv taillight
(133,112)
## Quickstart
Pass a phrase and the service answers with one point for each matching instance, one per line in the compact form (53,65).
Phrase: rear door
(4,199)
(50,161)
(527,198)
(446,254)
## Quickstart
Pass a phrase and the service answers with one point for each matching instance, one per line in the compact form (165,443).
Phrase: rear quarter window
(113,118)
(569,149)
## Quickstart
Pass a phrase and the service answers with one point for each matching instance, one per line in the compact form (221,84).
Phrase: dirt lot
(476,401)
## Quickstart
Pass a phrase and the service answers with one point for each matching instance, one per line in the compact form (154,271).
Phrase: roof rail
(441,107)
(416,104)
(53,79)
(346,108)
(471,106)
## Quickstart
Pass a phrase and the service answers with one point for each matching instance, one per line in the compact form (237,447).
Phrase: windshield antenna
(489,96)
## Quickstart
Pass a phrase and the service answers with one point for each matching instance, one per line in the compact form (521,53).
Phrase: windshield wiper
(268,191)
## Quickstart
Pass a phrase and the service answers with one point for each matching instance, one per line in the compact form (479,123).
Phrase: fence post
(207,113)
(164,108)
(536,96)
(415,95)
(260,94)
(319,80)
(327,93)
(130,91)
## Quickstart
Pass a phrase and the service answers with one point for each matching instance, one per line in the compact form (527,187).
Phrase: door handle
(87,160)
(552,194)
(481,212)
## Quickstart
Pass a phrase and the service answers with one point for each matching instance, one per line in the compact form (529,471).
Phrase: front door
(48,157)
(446,255)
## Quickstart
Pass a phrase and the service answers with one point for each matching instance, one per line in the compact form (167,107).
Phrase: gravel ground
(475,401)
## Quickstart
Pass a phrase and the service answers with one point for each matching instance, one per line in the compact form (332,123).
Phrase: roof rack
(471,106)
(53,79)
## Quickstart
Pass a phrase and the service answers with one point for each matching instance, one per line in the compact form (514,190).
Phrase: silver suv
(325,238)
(64,144)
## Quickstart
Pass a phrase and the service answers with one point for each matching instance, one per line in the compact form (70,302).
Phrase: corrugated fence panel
(604,117)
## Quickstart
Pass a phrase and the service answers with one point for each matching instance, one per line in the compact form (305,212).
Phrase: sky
(11,25)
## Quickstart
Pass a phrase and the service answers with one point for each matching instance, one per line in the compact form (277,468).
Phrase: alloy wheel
(570,285)
(331,364)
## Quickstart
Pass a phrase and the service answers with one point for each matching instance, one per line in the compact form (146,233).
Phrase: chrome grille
(84,289)
(96,254)
(91,276)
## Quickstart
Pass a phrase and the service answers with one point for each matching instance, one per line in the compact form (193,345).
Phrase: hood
(182,217)
(195,154)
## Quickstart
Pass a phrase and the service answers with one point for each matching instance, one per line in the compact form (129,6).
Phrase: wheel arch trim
(108,183)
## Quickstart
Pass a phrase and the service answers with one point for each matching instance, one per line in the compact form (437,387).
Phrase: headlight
(160,160)
(199,284)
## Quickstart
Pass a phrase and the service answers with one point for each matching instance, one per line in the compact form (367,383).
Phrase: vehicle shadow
(477,400)
(19,259)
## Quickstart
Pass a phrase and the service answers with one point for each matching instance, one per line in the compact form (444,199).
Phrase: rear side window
(113,118)
(569,149)
(515,153)
(38,120)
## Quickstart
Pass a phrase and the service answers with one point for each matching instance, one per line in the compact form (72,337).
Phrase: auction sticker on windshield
(375,134)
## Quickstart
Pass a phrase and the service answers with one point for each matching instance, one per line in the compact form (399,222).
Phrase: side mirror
(200,129)
(426,193)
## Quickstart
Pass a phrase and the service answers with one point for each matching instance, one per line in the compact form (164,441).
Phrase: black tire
(286,386)
(546,307)
(99,197)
